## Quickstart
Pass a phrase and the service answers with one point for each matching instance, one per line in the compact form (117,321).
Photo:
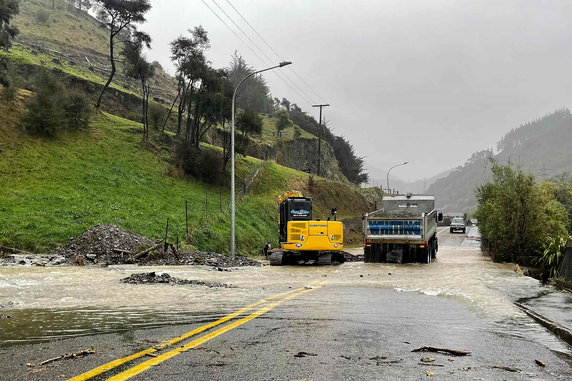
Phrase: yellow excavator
(304,240)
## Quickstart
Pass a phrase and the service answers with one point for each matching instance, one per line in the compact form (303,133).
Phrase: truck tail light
(421,246)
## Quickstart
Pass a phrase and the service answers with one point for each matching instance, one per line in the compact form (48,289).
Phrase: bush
(204,165)
(297,132)
(42,16)
(9,93)
(78,110)
(46,108)
(157,114)
(552,255)
(516,216)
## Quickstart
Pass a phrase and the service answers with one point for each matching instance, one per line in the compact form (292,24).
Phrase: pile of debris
(10,256)
(210,258)
(112,245)
(152,278)
(108,244)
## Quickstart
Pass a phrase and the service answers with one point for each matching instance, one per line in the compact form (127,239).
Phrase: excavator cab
(294,209)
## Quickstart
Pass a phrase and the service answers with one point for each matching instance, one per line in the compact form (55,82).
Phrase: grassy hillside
(53,189)
(66,39)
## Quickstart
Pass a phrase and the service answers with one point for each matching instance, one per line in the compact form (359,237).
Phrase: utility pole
(320,136)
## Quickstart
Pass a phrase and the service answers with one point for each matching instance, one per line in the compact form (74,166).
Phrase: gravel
(97,245)
(154,278)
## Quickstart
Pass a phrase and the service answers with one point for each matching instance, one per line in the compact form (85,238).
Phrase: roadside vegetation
(522,220)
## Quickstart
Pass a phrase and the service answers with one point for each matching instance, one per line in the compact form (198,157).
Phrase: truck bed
(397,229)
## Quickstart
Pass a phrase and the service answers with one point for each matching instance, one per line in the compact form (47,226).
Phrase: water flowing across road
(54,302)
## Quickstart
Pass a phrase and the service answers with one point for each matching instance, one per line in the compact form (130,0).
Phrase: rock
(153,278)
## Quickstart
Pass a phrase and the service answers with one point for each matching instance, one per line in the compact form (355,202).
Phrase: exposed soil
(153,278)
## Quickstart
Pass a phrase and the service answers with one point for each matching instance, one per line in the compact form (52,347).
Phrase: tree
(188,53)
(286,104)
(204,93)
(77,110)
(82,5)
(516,216)
(351,165)
(137,67)
(156,114)
(8,9)
(120,16)
(282,121)
(248,123)
(254,94)
(46,108)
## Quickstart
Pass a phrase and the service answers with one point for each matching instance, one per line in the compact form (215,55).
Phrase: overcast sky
(424,81)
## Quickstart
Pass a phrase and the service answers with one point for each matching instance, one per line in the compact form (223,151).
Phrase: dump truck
(403,230)
(303,239)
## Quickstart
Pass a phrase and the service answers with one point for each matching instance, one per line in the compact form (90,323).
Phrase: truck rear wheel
(424,255)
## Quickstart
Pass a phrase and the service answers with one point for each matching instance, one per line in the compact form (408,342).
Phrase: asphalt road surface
(352,322)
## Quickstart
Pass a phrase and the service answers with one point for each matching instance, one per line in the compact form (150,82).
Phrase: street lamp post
(232,185)
(397,165)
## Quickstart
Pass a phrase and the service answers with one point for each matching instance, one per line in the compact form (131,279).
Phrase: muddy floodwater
(55,302)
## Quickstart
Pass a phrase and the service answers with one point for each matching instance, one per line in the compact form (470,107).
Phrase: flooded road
(55,302)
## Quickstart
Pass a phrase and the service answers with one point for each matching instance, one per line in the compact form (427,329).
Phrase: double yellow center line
(279,299)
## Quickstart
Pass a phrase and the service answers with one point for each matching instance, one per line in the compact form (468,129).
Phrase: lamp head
(284,63)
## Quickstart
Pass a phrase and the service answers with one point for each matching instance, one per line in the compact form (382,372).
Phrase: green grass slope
(53,189)
(72,41)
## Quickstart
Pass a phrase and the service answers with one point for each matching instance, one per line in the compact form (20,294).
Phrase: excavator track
(282,258)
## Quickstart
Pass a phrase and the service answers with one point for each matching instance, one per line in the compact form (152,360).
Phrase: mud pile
(103,243)
(112,245)
(154,278)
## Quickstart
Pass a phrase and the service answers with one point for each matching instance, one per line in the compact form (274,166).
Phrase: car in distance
(457,224)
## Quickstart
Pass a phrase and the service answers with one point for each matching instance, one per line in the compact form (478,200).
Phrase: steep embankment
(53,189)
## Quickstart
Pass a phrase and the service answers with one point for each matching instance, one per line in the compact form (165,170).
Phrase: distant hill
(541,147)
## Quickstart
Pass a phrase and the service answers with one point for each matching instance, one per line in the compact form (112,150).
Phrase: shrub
(9,93)
(297,132)
(42,16)
(204,165)
(552,255)
(516,216)
(46,108)
(157,114)
(78,110)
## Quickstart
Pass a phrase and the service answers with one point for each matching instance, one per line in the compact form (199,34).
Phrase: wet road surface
(362,322)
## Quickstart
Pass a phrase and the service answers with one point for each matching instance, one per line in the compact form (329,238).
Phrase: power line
(274,51)
(300,90)
(292,85)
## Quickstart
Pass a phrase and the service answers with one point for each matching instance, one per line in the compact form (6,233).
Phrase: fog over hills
(541,147)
